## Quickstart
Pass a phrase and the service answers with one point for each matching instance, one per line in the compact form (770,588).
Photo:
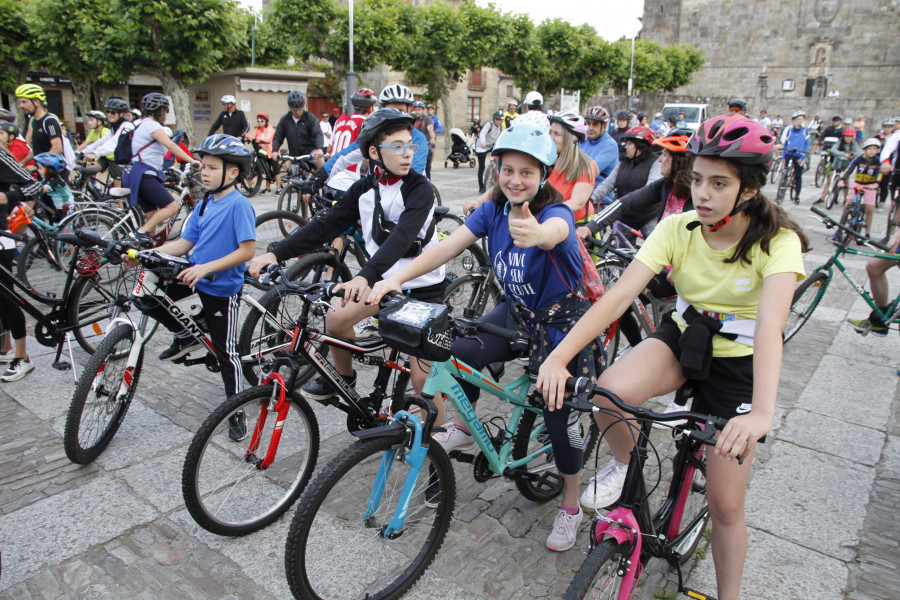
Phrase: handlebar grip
(592,241)
(12,236)
(510,335)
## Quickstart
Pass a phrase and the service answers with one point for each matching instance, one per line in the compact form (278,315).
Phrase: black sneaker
(320,390)
(180,347)
(237,426)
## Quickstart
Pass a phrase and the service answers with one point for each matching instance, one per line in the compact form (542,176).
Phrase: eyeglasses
(112,112)
(402,149)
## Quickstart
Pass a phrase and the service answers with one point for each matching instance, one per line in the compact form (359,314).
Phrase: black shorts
(729,390)
(114,170)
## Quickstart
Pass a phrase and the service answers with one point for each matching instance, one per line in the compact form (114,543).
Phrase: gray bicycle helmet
(154,101)
(5,115)
(623,115)
(116,104)
(396,93)
(296,100)
(9,128)
(377,122)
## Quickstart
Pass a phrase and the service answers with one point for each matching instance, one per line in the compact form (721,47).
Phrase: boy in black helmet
(396,208)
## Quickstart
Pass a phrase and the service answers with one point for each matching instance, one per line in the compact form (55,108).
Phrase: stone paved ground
(821,506)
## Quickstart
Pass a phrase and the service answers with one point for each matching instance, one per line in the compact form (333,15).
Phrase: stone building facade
(824,56)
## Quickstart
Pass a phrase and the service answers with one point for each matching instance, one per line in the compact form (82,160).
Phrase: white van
(694,114)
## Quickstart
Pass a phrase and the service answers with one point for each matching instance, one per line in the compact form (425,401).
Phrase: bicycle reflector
(88,264)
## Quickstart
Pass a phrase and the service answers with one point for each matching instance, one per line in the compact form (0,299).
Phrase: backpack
(589,279)
(122,154)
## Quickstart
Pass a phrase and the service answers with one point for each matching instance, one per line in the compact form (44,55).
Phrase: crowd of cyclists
(732,256)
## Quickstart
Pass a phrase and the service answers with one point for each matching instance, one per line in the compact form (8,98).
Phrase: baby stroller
(460,152)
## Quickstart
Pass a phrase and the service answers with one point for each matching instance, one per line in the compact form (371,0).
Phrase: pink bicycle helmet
(734,137)
(572,122)
(597,113)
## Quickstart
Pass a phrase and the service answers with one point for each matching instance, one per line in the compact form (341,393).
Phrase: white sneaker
(8,356)
(565,529)
(454,439)
(605,487)
(366,326)
(672,407)
(18,368)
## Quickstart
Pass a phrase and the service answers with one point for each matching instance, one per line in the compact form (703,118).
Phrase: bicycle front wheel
(291,200)
(832,198)
(690,516)
(271,228)
(598,577)
(820,173)
(532,435)
(226,489)
(90,309)
(806,299)
(102,397)
(475,291)
(251,183)
(332,525)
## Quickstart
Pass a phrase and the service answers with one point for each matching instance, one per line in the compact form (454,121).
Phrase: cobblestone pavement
(821,505)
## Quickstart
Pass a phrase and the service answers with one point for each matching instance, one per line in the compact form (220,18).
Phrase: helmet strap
(738,208)
(222,187)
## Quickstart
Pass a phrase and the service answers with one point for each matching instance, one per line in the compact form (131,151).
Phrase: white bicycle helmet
(396,93)
(572,122)
(228,99)
(871,142)
(534,99)
(799,113)
(534,117)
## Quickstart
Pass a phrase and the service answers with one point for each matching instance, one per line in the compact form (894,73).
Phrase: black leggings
(561,424)
(152,194)
(222,321)
(10,313)
(480,156)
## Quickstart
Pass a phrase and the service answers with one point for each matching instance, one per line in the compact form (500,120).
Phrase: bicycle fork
(281,407)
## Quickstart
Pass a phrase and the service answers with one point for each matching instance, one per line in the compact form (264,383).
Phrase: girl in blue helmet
(537,261)
(53,172)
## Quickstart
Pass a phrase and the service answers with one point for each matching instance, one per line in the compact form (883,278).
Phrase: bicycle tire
(262,338)
(597,577)
(250,185)
(832,198)
(224,489)
(853,217)
(437,195)
(335,503)
(290,199)
(99,391)
(695,511)
(472,291)
(470,261)
(271,228)
(175,223)
(90,310)
(782,185)
(487,181)
(776,170)
(806,298)
(821,172)
(530,436)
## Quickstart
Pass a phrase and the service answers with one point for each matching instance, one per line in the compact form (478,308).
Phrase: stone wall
(755,49)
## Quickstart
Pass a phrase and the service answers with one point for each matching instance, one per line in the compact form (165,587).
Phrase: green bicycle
(810,291)
(385,503)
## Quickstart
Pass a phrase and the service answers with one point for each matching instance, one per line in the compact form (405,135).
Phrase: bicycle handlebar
(168,266)
(831,223)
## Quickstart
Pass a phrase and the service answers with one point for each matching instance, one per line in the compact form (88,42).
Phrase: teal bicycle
(810,291)
(385,503)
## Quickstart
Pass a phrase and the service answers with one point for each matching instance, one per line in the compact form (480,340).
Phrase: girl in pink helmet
(736,259)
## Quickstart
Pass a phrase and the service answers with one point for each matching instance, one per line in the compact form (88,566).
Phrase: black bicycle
(261,169)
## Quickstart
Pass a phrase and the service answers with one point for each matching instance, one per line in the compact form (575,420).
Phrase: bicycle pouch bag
(416,328)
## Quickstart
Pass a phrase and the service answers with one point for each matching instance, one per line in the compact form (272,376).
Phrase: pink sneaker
(454,439)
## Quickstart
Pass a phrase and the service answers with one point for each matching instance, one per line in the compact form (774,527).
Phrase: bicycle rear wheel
(475,291)
(90,309)
(291,200)
(597,578)
(251,183)
(271,228)
(102,397)
(225,489)
(331,526)
(806,299)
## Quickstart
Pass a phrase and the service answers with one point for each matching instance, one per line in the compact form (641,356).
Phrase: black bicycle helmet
(116,104)
(737,103)
(377,122)
(623,115)
(296,100)
(154,101)
(6,115)
(9,128)
(498,115)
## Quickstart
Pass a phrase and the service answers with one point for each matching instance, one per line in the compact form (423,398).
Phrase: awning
(272,85)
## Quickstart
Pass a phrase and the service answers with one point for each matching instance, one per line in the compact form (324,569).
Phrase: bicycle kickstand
(61,365)
(690,593)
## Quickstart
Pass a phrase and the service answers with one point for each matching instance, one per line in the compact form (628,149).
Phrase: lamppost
(631,71)
(351,75)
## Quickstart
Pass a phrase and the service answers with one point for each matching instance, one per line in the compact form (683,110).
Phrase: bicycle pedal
(462,456)
(695,594)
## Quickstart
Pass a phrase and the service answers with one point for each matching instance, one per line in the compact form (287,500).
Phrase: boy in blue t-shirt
(222,235)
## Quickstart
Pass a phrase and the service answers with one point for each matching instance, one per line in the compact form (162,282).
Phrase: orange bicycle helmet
(676,141)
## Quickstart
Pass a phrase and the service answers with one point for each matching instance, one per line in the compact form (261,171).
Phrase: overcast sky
(611,18)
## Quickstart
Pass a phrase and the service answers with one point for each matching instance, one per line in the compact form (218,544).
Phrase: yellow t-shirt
(707,283)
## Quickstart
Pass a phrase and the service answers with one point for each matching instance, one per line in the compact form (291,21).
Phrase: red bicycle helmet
(734,137)
(363,98)
(849,131)
(639,133)
(263,115)
(597,113)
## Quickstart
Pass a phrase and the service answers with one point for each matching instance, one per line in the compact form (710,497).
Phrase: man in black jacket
(232,121)
(300,129)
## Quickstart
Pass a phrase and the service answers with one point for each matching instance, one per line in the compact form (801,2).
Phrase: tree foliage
(300,27)
(15,51)
(655,67)
(382,35)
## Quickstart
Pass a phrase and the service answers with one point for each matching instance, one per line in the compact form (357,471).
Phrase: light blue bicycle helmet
(528,139)
(53,160)
(418,104)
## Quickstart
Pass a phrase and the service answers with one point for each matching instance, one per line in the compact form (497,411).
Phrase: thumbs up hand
(526,232)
